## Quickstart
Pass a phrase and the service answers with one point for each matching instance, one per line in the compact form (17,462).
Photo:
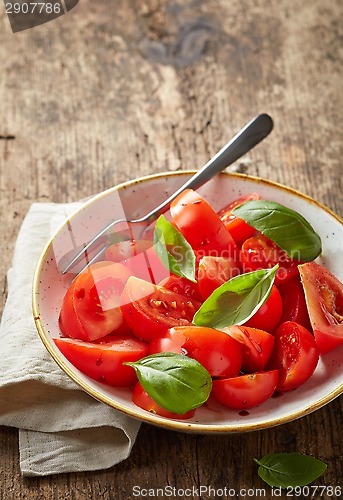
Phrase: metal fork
(248,137)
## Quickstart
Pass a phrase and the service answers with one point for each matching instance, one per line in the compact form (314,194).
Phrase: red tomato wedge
(140,258)
(144,401)
(324,298)
(91,307)
(260,252)
(201,226)
(220,354)
(295,355)
(245,391)
(103,361)
(269,314)
(237,227)
(257,346)
(214,271)
(150,310)
(294,303)
(182,286)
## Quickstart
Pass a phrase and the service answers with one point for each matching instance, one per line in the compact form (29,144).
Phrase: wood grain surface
(116,90)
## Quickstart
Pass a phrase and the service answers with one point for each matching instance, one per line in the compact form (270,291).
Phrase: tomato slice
(294,303)
(150,310)
(324,298)
(269,314)
(140,258)
(245,391)
(91,308)
(214,271)
(295,355)
(103,361)
(237,227)
(144,401)
(257,346)
(182,286)
(220,354)
(201,226)
(260,252)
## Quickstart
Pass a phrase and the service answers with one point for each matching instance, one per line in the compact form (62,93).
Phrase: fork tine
(91,261)
(85,250)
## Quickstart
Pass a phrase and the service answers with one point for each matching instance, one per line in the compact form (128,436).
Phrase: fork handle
(248,137)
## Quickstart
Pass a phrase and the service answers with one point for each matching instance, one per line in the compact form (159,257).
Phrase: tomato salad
(227,305)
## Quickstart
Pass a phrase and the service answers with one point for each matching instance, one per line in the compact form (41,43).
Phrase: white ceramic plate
(137,198)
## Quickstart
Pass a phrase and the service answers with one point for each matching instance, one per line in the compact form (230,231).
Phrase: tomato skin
(140,258)
(201,226)
(102,360)
(259,252)
(220,354)
(324,298)
(182,286)
(150,310)
(257,346)
(295,355)
(269,314)
(238,228)
(245,391)
(68,320)
(294,304)
(90,308)
(144,401)
(214,271)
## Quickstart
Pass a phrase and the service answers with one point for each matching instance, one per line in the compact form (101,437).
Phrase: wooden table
(116,90)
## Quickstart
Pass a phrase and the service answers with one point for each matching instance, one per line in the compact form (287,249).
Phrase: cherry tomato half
(103,361)
(269,314)
(237,227)
(214,271)
(150,310)
(295,355)
(91,308)
(220,354)
(182,286)
(144,401)
(201,226)
(294,303)
(257,346)
(140,258)
(324,298)
(259,252)
(245,391)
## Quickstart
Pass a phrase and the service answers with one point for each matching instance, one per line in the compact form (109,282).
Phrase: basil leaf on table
(174,250)
(237,300)
(286,227)
(289,469)
(174,381)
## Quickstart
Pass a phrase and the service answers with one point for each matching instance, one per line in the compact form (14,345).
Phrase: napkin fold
(61,428)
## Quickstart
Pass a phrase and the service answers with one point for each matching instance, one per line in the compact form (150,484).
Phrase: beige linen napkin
(61,428)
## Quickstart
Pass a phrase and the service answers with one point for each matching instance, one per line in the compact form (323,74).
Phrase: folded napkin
(61,428)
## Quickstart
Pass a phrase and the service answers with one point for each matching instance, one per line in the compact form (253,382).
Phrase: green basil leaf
(235,301)
(174,381)
(174,250)
(289,469)
(287,228)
